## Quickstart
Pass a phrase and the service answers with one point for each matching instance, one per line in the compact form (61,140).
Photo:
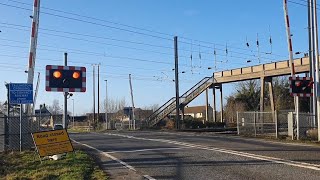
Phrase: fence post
(238,130)
(276,122)
(254,124)
(298,127)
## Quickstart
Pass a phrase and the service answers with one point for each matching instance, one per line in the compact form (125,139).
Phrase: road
(173,155)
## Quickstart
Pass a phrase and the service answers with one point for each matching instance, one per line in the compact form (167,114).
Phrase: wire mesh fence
(277,124)
(16,132)
(305,127)
(256,123)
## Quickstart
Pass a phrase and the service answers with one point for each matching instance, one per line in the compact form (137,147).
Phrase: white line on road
(143,150)
(247,139)
(107,155)
(149,177)
(114,158)
(238,153)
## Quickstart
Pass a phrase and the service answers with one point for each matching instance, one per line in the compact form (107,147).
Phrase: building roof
(195,109)
(43,109)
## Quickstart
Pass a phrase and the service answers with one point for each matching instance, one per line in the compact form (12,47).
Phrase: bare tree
(152,107)
(114,105)
(55,107)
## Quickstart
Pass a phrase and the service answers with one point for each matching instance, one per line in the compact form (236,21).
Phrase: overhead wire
(99,24)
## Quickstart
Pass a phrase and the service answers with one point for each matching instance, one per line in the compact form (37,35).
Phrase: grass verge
(25,165)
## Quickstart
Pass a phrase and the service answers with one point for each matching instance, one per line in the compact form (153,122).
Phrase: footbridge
(264,72)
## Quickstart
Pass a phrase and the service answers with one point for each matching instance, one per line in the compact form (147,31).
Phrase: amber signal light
(76,75)
(57,74)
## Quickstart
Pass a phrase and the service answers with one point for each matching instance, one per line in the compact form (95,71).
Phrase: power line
(89,22)
(113,27)
(97,19)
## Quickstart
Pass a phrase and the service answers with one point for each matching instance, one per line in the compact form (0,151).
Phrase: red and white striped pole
(33,46)
(289,40)
(286,17)
(33,40)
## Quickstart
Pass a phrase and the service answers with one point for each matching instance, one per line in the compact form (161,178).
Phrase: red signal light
(57,74)
(76,75)
(298,83)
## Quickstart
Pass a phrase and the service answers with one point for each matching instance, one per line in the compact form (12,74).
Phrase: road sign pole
(65,112)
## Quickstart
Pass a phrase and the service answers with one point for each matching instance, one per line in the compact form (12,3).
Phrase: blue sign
(20,93)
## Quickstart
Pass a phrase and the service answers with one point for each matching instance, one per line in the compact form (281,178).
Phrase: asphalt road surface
(172,155)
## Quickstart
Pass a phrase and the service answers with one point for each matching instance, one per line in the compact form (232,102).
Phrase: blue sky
(136,37)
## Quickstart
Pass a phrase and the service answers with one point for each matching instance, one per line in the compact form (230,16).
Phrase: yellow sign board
(52,142)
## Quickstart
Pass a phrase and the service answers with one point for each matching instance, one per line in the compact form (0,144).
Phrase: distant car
(57,127)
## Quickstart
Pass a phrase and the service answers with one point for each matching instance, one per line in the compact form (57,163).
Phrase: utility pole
(316,52)
(65,112)
(177,82)
(131,92)
(94,98)
(313,99)
(98,93)
(106,104)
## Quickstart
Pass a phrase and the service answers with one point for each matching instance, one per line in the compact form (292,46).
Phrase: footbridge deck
(279,68)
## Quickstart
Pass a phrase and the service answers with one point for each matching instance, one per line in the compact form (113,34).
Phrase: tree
(55,108)
(114,105)
(152,107)
(248,94)
(231,108)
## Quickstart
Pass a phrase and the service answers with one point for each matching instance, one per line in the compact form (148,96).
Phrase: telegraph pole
(313,99)
(98,93)
(94,97)
(65,112)
(106,104)
(316,52)
(131,92)
(177,82)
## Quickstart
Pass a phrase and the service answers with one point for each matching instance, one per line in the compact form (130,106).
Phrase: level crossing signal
(65,78)
(301,86)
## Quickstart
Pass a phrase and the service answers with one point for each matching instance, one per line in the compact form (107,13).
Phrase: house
(43,114)
(139,114)
(197,112)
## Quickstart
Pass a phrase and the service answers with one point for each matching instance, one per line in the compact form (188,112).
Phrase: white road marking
(107,155)
(143,150)
(248,139)
(149,177)
(238,153)
(113,158)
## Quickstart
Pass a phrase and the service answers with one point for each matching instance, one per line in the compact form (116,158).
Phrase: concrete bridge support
(221,102)
(207,105)
(214,114)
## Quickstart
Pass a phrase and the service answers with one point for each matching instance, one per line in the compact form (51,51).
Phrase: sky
(136,37)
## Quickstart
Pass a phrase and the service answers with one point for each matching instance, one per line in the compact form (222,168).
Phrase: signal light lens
(76,75)
(57,74)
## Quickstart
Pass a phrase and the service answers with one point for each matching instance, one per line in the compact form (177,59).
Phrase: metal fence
(256,123)
(13,136)
(277,124)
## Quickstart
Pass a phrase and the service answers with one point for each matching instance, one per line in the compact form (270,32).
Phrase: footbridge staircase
(184,99)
